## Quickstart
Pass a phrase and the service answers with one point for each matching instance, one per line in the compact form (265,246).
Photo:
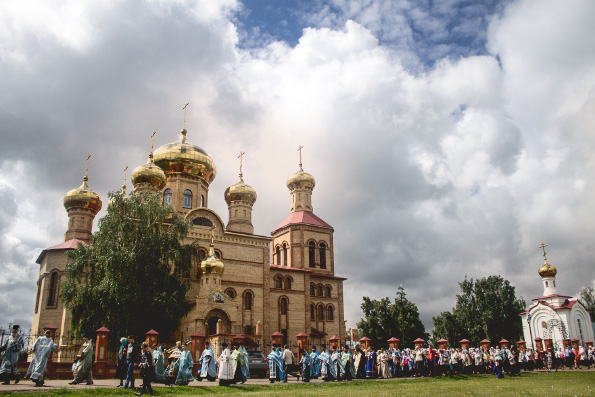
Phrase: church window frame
(327,291)
(231,293)
(278,253)
(547,284)
(247,300)
(330,313)
(312,312)
(320,314)
(322,250)
(283,305)
(38,296)
(54,287)
(278,282)
(202,200)
(285,254)
(312,254)
(287,282)
(319,290)
(167,196)
(312,289)
(187,199)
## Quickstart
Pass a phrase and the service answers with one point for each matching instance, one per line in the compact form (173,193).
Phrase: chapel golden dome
(185,158)
(83,198)
(240,192)
(547,270)
(212,264)
(301,179)
(149,173)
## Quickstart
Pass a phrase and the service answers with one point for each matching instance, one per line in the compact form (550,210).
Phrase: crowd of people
(232,365)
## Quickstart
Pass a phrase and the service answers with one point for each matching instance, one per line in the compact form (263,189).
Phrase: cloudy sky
(447,138)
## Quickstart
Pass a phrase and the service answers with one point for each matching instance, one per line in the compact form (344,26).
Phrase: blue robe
(347,358)
(207,363)
(158,362)
(337,365)
(11,347)
(245,353)
(306,362)
(184,365)
(238,358)
(42,348)
(315,366)
(371,364)
(276,365)
(326,369)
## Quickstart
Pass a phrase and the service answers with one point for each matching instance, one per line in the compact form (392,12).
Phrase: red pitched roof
(67,245)
(299,217)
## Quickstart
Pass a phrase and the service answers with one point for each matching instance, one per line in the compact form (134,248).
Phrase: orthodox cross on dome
(125,169)
(241,157)
(542,246)
(213,235)
(185,106)
(300,150)
(152,137)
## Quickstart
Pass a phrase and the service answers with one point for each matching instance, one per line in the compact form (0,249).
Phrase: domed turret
(301,179)
(240,198)
(300,187)
(240,192)
(82,204)
(148,177)
(185,158)
(547,270)
(212,264)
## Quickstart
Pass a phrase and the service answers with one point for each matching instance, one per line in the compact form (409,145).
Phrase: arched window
(546,284)
(187,199)
(283,305)
(312,312)
(202,222)
(319,290)
(287,283)
(327,291)
(321,312)
(285,255)
(247,300)
(312,290)
(230,292)
(202,201)
(278,252)
(311,255)
(53,293)
(278,282)
(330,313)
(322,256)
(38,295)
(167,195)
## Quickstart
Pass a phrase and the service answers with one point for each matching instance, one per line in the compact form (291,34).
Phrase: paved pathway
(27,385)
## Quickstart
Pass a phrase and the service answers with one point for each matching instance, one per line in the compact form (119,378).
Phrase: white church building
(555,320)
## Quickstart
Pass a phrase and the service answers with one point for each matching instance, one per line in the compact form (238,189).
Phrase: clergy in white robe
(42,348)
(225,368)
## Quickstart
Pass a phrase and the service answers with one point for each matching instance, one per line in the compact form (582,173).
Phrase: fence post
(302,342)
(101,353)
(50,368)
(152,336)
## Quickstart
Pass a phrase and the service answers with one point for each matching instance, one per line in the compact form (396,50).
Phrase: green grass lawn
(541,384)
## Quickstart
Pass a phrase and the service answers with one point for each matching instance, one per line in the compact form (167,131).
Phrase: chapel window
(52,296)
(321,312)
(283,305)
(311,254)
(330,312)
(319,290)
(278,251)
(546,284)
(327,291)
(167,195)
(285,255)
(312,312)
(230,292)
(278,282)
(322,256)
(202,200)
(202,221)
(187,199)
(248,330)
(247,300)
(312,290)
(287,283)
(38,295)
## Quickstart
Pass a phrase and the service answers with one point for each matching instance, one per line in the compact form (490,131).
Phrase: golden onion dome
(301,179)
(183,157)
(83,198)
(212,264)
(149,173)
(240,192)
(547,270)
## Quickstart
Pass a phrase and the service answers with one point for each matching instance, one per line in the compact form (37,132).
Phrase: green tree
(485,309)
(588,300)
(383,319)
(129,278)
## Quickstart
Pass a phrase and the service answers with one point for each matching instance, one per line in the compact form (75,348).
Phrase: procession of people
(334,364)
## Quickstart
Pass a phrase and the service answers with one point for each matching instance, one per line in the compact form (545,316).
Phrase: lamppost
(530,330)
(401,295)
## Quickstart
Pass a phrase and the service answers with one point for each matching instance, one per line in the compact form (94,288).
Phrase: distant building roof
(302,217)
(67,245)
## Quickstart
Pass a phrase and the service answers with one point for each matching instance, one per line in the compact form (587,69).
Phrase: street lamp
(401,295)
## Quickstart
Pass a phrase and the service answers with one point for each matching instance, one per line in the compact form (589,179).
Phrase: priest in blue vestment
(207,364)
(42,348)
(337,364)
(12,347)
(184,365)
(371,371)
(348,363)
(306,362)
(276,372)
(158,363)
(327,371)
(315,364)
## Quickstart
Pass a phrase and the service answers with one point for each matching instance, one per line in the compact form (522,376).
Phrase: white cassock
(225,367)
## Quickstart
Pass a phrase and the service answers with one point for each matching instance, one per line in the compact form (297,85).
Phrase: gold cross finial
(241,156)
(125,169)
(185,106)
(542,246)
(152,136)
(300,150)
(87,169)
(213,235)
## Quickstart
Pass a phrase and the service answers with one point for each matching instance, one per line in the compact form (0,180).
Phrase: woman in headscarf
(158,363)
(122,367)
